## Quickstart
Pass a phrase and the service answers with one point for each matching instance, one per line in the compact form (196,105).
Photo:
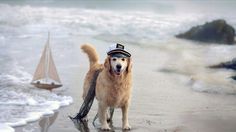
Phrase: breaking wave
(20,103)
(128,25)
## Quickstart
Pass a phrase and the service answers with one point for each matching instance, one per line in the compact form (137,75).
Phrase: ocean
(149,24)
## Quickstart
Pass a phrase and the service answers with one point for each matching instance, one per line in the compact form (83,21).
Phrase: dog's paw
(127,127)
(105,128)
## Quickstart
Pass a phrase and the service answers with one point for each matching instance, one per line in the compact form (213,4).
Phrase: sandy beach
(160,105)
(162,102)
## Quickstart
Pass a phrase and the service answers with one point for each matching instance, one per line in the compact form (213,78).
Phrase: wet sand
(161,102)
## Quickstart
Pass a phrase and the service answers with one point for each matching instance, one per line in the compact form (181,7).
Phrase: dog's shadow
(82,125)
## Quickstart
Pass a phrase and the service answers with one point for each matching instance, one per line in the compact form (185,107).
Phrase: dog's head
(118,65)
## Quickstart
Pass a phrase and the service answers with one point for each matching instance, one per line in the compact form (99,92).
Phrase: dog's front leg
(125,121)
(102,113)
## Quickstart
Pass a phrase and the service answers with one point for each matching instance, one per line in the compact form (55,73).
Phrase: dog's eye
(123,59)
(114,59)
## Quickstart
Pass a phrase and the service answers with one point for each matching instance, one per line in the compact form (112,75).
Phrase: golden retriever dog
(113,85)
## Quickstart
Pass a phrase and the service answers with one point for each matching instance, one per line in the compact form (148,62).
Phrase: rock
(234,78)
(217,31)
(227,65)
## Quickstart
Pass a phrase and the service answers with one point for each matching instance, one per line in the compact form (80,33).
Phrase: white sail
(41,68)
(52,71)
(46,72)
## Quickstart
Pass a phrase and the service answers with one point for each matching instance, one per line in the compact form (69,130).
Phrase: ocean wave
(21,103)
(78,21)
(192,60)
(141,26)
(134,25)
(6,128)
(227,88)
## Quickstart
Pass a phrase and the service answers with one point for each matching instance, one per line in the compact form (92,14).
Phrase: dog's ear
(107,63)
(129,66)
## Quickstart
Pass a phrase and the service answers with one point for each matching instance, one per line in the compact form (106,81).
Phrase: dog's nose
(118,66)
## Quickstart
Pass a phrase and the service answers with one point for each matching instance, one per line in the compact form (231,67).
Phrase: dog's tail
(92,54)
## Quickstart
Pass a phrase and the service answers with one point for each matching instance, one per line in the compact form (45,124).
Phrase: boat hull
(46,86)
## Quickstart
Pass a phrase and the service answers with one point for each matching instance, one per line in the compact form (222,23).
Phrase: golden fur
(112,90)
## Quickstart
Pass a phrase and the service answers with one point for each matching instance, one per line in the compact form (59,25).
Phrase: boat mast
(47,58)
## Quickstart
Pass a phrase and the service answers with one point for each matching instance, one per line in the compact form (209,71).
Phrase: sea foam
(21,103)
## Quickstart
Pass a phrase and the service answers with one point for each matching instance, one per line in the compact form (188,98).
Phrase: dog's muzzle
(118,69)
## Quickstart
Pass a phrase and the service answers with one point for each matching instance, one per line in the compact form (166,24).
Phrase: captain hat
(118,50)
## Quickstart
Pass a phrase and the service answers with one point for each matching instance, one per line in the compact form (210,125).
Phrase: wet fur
(111,90)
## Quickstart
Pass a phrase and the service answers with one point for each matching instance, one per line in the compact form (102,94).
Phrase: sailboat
(46,76)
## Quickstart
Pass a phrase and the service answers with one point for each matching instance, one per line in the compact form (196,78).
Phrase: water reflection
(47,121)
(82,125)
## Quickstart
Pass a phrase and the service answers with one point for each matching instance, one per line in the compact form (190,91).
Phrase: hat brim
(119,51)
